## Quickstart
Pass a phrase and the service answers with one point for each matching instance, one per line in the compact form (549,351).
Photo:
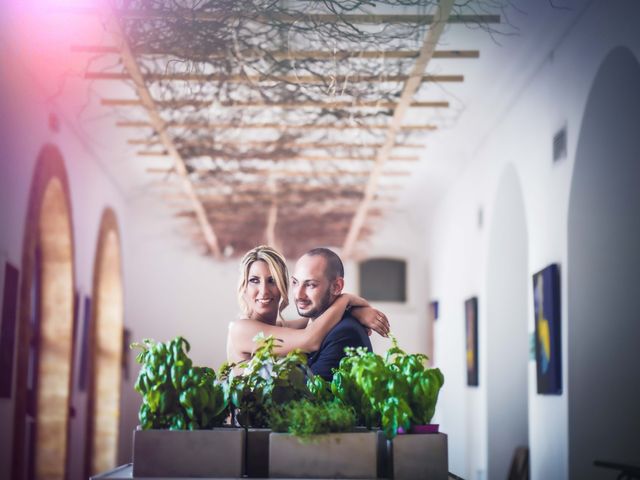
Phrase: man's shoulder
(348,331)
(348,324)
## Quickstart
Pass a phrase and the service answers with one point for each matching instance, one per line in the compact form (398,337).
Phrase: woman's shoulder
(243,324)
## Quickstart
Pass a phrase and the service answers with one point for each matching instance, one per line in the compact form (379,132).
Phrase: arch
(45,330)
(106,349)
(506,326)
(603,264)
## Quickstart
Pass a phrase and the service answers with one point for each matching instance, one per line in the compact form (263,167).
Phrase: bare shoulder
(243,326)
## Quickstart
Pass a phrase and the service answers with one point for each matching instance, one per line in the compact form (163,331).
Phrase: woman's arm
(372,319)
(354,301)
(296,323)
(242,332)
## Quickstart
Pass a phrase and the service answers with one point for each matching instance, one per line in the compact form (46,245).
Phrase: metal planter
(257,453)
(332,455)
(422,456)
(182,453)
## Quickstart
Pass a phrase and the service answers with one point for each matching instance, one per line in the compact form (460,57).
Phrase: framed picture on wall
(126,341)
(471,322)
(433,310)
(83,376)
(546,305)
(8,318)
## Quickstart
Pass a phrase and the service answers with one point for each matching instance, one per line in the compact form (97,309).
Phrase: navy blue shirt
(347,333)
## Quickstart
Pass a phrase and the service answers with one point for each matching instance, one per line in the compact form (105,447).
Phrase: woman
(263,293)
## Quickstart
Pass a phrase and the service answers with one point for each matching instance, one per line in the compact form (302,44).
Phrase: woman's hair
(278,268)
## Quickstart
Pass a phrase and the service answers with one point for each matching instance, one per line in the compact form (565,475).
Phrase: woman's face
(262,295)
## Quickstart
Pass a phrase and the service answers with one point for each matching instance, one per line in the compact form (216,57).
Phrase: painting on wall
(126,341)
(8,328)
(433,310)
(546,303)
(471,321)
(83,376)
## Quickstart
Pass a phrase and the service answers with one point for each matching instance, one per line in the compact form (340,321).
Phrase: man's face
(312,290)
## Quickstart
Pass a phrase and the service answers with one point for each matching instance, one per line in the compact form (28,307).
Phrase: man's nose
(300,292)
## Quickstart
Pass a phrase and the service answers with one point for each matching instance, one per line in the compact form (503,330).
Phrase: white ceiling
(39,37)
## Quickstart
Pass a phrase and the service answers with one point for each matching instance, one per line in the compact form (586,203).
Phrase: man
(317,281)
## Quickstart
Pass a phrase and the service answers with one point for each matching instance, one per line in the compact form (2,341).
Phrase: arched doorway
(106,350)
(507,332)
(45,332)
(603,265)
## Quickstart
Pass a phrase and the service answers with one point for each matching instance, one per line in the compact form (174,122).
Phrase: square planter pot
(183,453)
(257,453)
(420,456)
(331,455)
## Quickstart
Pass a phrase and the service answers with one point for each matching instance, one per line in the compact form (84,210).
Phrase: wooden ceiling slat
(292,17)
(124,102)
(261,126)
(306,158)
(257,143)
(292,79)
(299,54)
(288,173)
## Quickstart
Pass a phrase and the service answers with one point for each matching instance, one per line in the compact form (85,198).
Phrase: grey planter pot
(423,456)
(332,455)
(182,453)
(257,453)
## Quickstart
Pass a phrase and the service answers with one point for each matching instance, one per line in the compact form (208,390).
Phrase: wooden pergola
(302,168)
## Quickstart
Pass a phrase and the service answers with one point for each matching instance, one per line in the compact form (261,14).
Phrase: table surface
(126,472)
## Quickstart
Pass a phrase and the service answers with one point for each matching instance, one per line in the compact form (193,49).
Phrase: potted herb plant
(316,439)
(254,387)
(399,394)
(183,407)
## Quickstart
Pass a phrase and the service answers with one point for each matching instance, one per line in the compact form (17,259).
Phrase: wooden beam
(258,143)
(159,125)
(325,198)
(262,126)
(292,79)
(272,216)
(308,158)
(289,173)
(288,17)
(117,102)
(299,54)
(128,102)
(442,16)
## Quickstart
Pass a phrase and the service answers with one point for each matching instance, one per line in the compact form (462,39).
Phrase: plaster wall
(553,95)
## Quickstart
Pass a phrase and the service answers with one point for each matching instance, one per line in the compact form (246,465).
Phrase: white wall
(554,95)
(507,338)
(603,264)
(397,238)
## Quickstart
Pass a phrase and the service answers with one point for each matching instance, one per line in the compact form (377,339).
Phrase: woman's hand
(373,319)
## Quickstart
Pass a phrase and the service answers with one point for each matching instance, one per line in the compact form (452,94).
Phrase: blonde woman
(263,293)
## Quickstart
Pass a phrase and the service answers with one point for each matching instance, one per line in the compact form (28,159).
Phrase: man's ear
(337,285)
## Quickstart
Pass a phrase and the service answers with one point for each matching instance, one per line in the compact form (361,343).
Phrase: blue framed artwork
(546,303)
(433,310)
(471,322)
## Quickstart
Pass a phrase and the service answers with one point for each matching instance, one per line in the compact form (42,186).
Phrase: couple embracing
(331,319)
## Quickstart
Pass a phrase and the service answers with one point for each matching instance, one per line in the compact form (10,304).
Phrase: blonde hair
(277,267)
